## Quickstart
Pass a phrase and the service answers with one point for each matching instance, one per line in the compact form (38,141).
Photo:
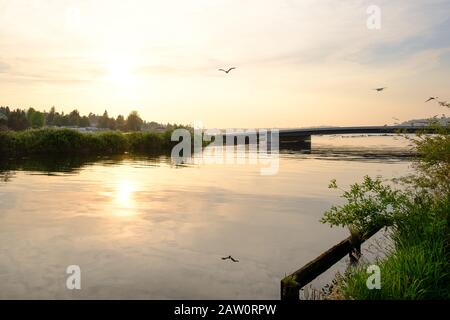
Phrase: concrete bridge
(301,137)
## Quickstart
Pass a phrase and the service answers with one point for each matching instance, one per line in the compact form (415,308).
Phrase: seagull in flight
(444,103)
(380,89)
(431,98)
(230,258)
(226,71)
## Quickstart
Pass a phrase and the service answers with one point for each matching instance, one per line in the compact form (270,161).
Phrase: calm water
(142,228)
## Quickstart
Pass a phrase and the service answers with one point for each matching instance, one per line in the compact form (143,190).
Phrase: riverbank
(417,211)
(55,141)
(419,266)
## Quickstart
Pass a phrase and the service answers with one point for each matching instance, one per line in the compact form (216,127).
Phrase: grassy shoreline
(57,141)
(418,213)
(417,268)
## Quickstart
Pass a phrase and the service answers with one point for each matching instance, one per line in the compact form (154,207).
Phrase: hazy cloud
(4,67)
(142,52)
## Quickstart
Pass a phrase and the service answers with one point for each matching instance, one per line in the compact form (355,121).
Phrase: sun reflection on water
(124,197)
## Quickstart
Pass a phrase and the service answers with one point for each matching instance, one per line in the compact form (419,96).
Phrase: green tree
(134,122)
(50,117)
(112,123)
(84,122)
(103,122)
(17,120)
(93,119)
(64,119)
(74,118)
(35,118)
(57,119)
(120,123)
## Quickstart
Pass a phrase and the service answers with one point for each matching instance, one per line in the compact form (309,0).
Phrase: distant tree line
(20,119)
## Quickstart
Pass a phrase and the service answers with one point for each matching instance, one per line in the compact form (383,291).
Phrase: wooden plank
(291,285)
(322,263)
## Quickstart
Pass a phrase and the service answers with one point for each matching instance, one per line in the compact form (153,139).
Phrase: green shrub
(53,141)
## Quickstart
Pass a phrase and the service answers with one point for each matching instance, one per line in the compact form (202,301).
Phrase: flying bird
(443,103)
(431,98)
(380,89)
(396,118)
(226,71)
(230,258)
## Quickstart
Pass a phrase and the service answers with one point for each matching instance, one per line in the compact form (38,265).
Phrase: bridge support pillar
(296,143)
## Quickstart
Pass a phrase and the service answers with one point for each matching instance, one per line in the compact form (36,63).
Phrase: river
(143,228)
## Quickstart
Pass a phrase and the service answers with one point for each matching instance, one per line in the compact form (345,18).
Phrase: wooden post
(355,252)
(291,285)
(290,291)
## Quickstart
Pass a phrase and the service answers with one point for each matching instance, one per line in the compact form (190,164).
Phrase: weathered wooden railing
(291,284)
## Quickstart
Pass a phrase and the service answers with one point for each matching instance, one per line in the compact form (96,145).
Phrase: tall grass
(52,141)
(419,268)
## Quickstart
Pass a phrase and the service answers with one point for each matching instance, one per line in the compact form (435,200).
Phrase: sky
(299,62)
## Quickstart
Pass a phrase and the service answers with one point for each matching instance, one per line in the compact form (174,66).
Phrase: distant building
(444,121)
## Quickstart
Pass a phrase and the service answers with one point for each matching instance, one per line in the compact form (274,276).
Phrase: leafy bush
(369,205)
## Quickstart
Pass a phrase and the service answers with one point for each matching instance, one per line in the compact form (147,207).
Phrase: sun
(121,73)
